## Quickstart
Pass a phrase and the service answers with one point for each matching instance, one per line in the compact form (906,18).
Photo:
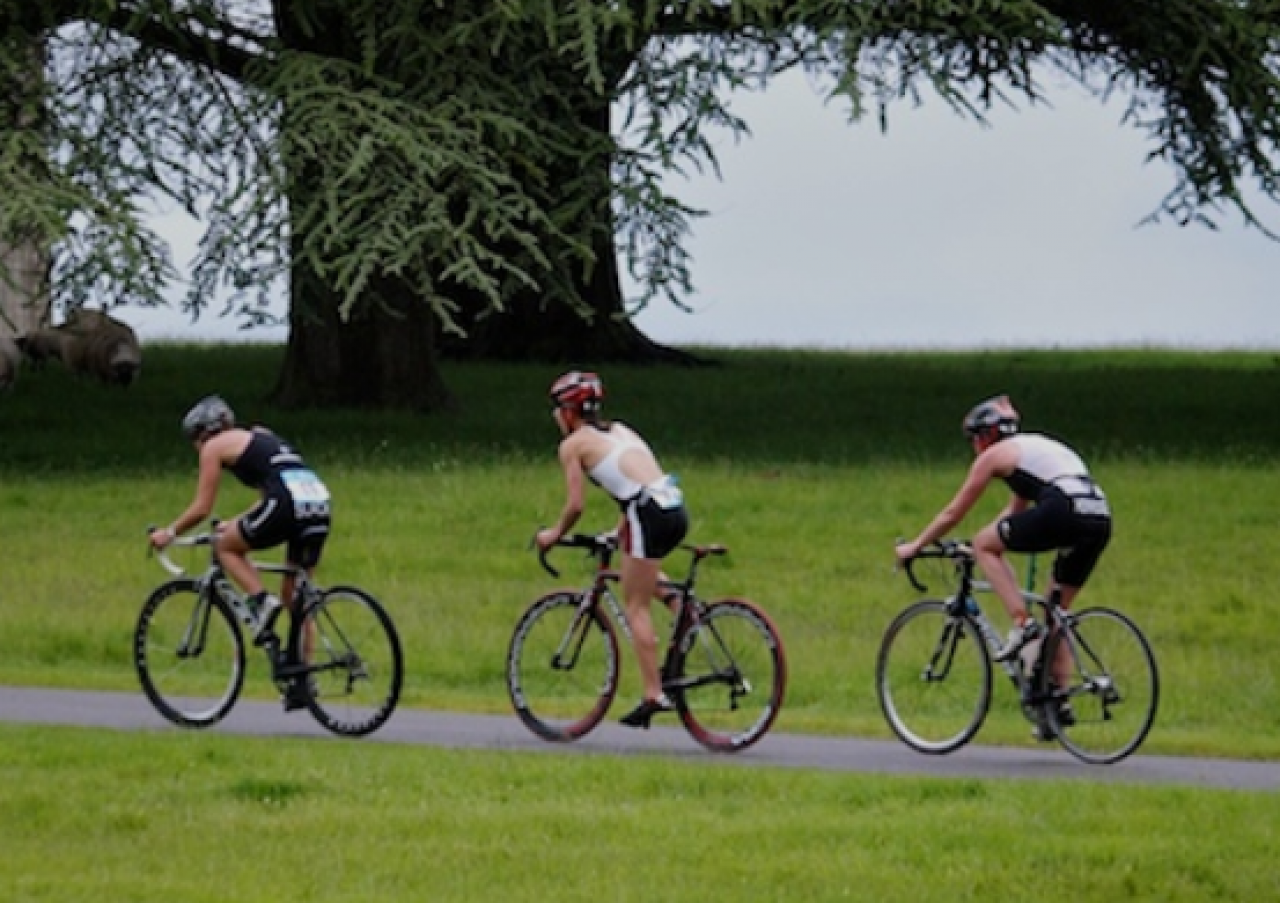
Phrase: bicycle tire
(1114,688)
(933,678)
(189,654)
(728,676)
(557,700)
(352,662)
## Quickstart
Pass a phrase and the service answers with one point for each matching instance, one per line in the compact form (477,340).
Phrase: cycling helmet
(993,419)
(580,391)
(209,415)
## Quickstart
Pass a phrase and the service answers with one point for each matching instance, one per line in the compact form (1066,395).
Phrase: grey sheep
(99,345)
(41,345)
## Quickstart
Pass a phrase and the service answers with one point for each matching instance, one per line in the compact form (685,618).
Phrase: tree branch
(190,37)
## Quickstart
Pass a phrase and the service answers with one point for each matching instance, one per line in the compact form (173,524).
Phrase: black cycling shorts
(273,522)
(1054,524)
(651,531)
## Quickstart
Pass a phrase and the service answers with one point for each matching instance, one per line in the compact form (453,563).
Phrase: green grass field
(807,466)
(204,817)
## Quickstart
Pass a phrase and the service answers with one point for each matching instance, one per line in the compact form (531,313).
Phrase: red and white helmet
(577,390)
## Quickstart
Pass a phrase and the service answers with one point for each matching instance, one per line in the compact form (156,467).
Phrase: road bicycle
(934,674)
(341,658)
(724,668)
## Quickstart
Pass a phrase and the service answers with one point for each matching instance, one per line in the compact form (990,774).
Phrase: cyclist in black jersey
(1055,505)
(293,508)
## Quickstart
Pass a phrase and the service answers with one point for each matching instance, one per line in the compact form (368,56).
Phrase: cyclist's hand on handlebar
(545,539)
(905,551)
(161,537)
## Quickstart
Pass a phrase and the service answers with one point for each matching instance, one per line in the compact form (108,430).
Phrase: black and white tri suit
(654,517)
(1069,511)
(294,508)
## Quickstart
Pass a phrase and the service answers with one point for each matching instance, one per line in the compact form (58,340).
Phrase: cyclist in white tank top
(607,472)
(1055,505)
(654,520)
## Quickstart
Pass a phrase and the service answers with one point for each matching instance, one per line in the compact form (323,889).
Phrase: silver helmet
(995,418)
(209,415)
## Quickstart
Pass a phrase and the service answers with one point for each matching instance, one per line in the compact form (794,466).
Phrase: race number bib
(665,493)
(310,496)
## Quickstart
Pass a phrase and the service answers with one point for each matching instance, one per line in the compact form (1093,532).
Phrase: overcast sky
(941,233)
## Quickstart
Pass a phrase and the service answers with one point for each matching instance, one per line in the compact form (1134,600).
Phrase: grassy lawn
(204,817)
(807,466)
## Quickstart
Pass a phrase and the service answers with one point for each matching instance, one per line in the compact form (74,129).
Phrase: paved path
(131,711)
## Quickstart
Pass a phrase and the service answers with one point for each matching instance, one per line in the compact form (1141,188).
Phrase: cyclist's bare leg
(288,587)
(639,586)
(288,591)
(989,551)
(1061,667)
(668,597)
(233,554)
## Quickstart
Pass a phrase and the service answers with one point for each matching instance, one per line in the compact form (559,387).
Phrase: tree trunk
(537,326)
(384,356)
(534,329)
(24,291)
(24,262)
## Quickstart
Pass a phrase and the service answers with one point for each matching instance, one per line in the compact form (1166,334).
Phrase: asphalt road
(132,712)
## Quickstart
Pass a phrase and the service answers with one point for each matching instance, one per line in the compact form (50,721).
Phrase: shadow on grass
(757,407)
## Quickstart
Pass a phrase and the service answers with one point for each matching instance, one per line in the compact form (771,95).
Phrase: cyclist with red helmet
(1055,506)
(654,520)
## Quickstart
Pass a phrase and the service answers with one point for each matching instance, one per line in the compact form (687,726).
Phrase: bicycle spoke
(933,678)
(1105,674)
(730,676)
(189,655)
(562,667)
(354,668)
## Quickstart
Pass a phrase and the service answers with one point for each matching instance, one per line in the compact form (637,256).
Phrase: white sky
(941,233)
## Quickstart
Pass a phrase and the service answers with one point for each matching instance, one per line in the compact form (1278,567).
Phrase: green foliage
(467,149)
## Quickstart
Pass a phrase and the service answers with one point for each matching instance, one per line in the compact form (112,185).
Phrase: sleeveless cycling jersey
(607,473)
(294,508)
(1047,465)
(654,516)
(260,464)
(1070,513)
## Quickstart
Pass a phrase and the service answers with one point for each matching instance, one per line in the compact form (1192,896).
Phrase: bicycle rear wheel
(729,676)
(1113,690)
(933,677)
(189,654)
(562,667)
(354,667)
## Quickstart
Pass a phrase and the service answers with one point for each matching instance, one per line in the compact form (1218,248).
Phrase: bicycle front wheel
(1107,704)
(562,667)
(353,667)
(729,676)
(933,677)
(189,654)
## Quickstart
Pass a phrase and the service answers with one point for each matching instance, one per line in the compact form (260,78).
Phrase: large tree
(415,166)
